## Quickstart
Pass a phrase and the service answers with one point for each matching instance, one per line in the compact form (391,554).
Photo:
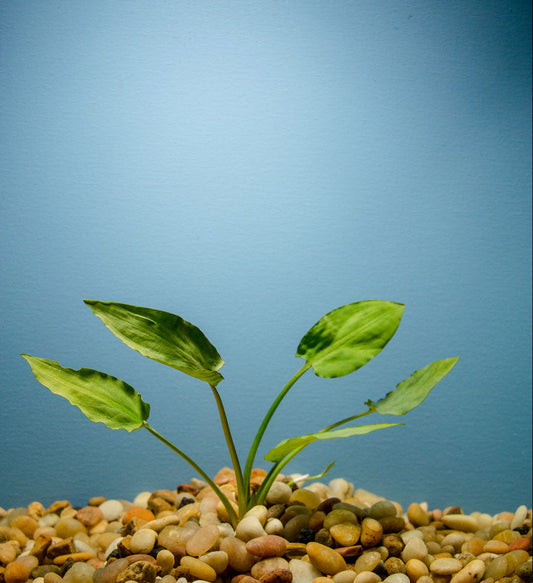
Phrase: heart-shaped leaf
(412,391)
(163,337)
(345,339)
(287,446)
(101,397)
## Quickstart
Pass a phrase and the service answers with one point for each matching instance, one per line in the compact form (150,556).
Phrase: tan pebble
(471,573)
(36,510)
(305,497)
(368,561)
(198,569)
(496,546)
(346,533)
(279,493)
(16,573)
(9,533)
(414,549)
(497,568)
(507,536)
(242,578)
(325,559)
(265,566)
(57,506)
(260,512)
(267,546)
(239,558)
(165,559)
(143,541)
(346,576)
(417,516)
(277,576)
(397,578)
(322,579)
(445,566)
(52,578)
(9,551)
(216,559)
(89,516)
(26,524)
(474,545)
(248,528)
(454,540)
(415,568)
(202,540)
(460,522)
(66,527)
(371,532)
(367,577)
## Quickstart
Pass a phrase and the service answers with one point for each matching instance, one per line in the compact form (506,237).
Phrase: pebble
(198,569)
(248,528)
(445,566)
(368,561)
(267,546)
(202,540)
(303,571)
(460,522)
(143,541)
(279,493)
(371,532)
(325,559)
(301,535)
(111,509)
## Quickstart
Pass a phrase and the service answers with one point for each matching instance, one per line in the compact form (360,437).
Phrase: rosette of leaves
(340,343)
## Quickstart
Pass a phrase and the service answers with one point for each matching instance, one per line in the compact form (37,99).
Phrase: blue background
(250,166)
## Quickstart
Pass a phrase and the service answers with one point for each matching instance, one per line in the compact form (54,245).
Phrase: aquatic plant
(340,343)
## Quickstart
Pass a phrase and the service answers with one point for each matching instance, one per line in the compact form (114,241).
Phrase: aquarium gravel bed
(316,533)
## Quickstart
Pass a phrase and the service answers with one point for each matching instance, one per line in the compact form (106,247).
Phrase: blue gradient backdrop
(250,166)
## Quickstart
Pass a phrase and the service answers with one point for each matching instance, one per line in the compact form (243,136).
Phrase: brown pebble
(351,551)
(395,565)
(58,506)
(325,559)
(269,545)
(89,516)
(141,571)
(277,576)
(63,547)
(522,544)
(16,573)
(371,532)
(141,557)
(417,515)
(394,544)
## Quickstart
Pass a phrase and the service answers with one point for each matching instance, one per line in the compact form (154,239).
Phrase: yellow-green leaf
(412,391)
(163,337)
(348,337)
(287,446)
(101,397)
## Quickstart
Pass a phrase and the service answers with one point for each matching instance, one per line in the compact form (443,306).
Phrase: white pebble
(279,493)
(302,571)
(249,528)
(111,509)
(398,578)
(141,500)
(519,516)
(274,526)
(143,541)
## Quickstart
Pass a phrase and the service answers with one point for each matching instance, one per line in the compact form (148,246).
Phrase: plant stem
(205,476)
(347,420)
(243,495)
(262,428)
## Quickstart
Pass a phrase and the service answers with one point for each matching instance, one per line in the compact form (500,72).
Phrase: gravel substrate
(315,534)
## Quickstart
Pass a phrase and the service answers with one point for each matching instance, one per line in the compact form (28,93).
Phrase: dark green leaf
(163,337)
(287,446)
(413,390)
(345,339)
(101,397)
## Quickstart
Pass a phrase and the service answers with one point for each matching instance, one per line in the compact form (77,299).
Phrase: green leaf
(345,339)
(412,391)
(287,446)
(101,397)
(163,337)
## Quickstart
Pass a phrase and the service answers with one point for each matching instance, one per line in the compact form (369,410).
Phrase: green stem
(347,420)
(243,494)
(262,428)
(216,489)
(277,468)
